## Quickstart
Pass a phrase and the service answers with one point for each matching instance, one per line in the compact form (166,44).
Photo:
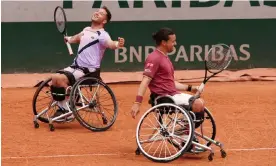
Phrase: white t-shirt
(92,46)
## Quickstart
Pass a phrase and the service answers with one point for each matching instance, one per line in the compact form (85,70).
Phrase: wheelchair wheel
(43,102)
(93,104)
(207,128)
(157,133)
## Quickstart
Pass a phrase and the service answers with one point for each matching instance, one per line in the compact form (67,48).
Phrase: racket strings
(218,59)
(60,20)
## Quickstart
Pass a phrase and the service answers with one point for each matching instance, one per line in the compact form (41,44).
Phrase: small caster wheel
(223,153)
(211,156)
(52,128)
(104,120)
(36,125)
(137,151)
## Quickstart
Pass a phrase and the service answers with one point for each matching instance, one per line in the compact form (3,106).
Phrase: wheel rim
(43,100)
(94,105)
(160,143)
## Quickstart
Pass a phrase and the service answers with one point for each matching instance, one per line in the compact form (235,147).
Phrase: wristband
(139,99)
(189,88)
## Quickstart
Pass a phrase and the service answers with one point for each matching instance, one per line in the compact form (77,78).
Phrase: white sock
(63,104)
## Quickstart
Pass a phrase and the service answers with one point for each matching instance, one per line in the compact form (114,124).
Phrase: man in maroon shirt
(159,75)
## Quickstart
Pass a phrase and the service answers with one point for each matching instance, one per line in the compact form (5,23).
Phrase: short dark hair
(162,34)
(108,15)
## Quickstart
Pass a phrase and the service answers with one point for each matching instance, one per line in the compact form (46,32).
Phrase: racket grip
(200,89)
(69,48)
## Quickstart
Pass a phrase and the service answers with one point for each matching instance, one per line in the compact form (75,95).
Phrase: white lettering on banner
(235,57)
(245,52)
(197,53)
(122,53)
(195,50)
(206,51)
(181,54)
(137,54)
(130,10)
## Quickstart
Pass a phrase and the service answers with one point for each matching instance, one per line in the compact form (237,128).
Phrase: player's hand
(121,42)
(135,110)
(66,39)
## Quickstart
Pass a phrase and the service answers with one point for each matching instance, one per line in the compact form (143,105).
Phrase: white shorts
(181,99)
(77,73)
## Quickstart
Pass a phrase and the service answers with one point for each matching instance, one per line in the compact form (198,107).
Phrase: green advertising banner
(31,43)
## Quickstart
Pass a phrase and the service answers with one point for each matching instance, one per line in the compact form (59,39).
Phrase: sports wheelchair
(167,131)
(91,102)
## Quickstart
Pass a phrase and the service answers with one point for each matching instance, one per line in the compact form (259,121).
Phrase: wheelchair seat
(96,75)
(156,99)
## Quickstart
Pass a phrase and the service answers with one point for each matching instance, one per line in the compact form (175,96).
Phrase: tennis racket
(218,59)
(60,20)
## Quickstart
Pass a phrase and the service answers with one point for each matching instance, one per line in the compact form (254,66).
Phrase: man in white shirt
(93,42)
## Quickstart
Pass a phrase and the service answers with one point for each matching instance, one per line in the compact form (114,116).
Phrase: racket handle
(69,48)
(200,89)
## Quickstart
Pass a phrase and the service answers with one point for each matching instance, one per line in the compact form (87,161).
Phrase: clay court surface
(245,114)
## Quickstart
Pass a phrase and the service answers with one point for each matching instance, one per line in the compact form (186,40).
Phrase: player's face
(100,16)
(171,43)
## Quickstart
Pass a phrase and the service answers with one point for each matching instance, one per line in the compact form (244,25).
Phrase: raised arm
(74,39)
(116,44)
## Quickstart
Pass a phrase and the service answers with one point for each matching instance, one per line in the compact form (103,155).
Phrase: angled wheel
(207,128)
(93,104)
(158,133)
(43,103)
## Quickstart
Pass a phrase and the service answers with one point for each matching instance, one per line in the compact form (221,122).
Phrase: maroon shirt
(160,69)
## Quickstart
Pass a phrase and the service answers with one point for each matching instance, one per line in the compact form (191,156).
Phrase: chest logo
(149,65)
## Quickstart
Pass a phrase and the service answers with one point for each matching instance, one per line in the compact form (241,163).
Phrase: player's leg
(61,80)
(184,99)
(198,109)
(58,87)
(197,105)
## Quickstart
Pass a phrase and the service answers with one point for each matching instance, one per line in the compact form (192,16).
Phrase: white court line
(253,149)
(58,156)
(117,154)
